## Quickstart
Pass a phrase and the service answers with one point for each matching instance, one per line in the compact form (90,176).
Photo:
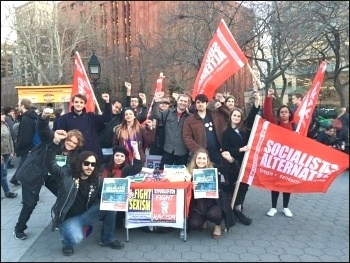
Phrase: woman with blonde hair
(131,130)
(213,210)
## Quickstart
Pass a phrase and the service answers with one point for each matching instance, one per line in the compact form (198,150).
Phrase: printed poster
(140,206)
(164,205)
(153,161)
(114,194)
(207,183)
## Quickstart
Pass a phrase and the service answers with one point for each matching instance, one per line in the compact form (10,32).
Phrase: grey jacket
(173,129)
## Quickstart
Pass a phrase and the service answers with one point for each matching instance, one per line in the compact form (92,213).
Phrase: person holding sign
(213,210)
(119,167)
(78,201)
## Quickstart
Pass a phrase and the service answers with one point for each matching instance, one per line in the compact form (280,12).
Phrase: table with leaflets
(159,203)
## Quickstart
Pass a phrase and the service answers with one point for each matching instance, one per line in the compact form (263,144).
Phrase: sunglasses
(87,163)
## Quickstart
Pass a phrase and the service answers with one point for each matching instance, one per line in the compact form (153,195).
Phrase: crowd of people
(194,132)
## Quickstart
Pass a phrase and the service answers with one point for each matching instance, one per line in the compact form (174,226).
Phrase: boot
(242,217)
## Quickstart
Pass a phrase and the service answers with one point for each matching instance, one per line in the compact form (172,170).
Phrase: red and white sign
(289,163)
(81,84)
(303,114)
(222,59)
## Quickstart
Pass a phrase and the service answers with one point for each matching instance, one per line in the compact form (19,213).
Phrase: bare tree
(334,44)
(46,38)
(182,40)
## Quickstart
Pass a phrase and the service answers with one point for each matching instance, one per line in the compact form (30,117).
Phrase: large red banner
(81,84)
(283,161)
(303,114)
(222,59)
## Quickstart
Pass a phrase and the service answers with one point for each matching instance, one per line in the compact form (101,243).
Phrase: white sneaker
(287,212)
(272,212)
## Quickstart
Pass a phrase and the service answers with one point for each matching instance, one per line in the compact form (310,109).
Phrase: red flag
(159,88)
(222,59)
(303,114)
(290,163)
(81,84)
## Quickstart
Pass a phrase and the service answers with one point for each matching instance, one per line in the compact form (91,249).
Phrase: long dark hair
(76,165)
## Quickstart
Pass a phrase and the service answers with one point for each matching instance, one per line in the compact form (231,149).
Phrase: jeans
(170,158)
(71,229)
(4,183)
(30,200)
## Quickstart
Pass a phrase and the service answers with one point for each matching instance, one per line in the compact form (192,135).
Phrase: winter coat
(68,187)
(230,173)
(232,141)
(173,129)
(194,131)
(145,138)
(25,133)
(6,140)
(105,136)
(126,170)
(87,123)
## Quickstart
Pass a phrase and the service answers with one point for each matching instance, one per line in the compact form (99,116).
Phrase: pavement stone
(318,231)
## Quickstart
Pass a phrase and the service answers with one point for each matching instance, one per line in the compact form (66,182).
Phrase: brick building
(121,28)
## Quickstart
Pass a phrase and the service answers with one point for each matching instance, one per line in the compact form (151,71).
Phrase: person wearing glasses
(283,119)
(137,102)
(78,201)
(105,135)
(31,185)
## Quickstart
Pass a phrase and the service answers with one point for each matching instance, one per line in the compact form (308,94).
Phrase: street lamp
(94,69)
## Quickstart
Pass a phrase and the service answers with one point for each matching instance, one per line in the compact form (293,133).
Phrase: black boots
(242,218)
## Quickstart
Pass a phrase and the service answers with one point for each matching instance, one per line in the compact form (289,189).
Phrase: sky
(5,28)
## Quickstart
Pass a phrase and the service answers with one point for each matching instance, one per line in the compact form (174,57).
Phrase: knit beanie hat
(121,149)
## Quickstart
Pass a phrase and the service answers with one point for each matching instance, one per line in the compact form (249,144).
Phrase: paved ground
(318,231)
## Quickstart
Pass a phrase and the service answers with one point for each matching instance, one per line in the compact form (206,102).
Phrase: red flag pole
(158,89)
(89,84)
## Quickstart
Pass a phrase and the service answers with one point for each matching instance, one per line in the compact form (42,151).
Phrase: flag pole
(92,91)
(254,77)
(244,162)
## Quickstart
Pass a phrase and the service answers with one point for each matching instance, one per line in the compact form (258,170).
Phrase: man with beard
(78,200)
(172,120)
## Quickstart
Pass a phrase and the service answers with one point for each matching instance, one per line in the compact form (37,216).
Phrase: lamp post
(94,70)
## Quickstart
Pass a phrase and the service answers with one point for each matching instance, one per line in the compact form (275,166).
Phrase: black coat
(87,123)
(25,133)
(232,141)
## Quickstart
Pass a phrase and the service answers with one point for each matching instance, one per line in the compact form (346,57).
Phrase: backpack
(160,134)
(36,138)
(337,124)
(32,172)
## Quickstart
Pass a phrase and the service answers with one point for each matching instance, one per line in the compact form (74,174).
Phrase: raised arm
(50,162)
(45,133)
(268,112)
